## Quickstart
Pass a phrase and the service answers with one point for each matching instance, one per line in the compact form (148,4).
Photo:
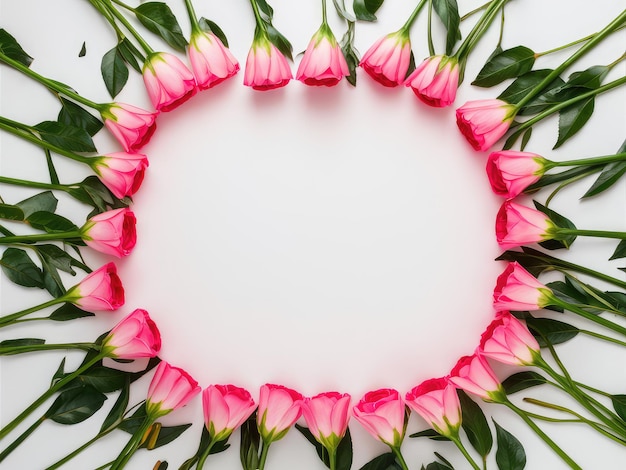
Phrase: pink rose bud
(483,122)
(518,290)
(168,81)
(131,126)
(435,81)
(135,336)
(518,225)
(511,172)
(474,375)
(112,232)
(508,340)
(279,409)
(211,61)
(266,66)
(327,416)
(170,388)
(437,402)
(323,63)
(121,172)
(381,412)
(387,61)
(226,407)
(100,290)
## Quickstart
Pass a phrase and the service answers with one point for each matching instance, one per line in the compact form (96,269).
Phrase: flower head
(518,225)
(474,375)
(266,66)
(133,337)
(508,340)
(168,81)
(226,407)
(112,232)
(211,61)
(121,172)
(279,409)
(131,126)
(381,412)
(100,290)
(435,81)
(170,388)
(510,172)
(518,290)
(323,62)
(387,61)
(437,402)
(327,416)
(483,122)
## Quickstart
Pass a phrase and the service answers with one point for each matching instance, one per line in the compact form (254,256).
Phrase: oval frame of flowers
(355,402)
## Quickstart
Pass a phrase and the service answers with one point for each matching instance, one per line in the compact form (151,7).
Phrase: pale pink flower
(387,61)
(508,340)
(266,66)
(279,409)
(435,81)
(100,290)
(510,172)
(112,232)
(135,336)
(211,61)
(327,416)
(131,126)
(382,412)
(170,388)
(518,290)
(437,402)
(483,122)
(168,81)
(518,225)
(225,407)
(121,172)
(474,375)
(323,63)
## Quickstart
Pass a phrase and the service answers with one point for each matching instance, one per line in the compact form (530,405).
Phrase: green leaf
(67,137)
(344,450)
(83,50)
(116,414)
(267,12)
(11,212)
(74,115)
(475,425)
(11,343)
(58,258)
(573,118)
(280,41)
(158,18)
(114,71)
(510,63)
(382,462)
(166,435)
(342,12)
(45,202)
(430,434)
(75,405)
(448,12)
(437,466)
(68,312)
(590,78)
(547,330)
(522,381)
(212,27)
(510,454)
(522,86)
(365,9)
(250,443)
(609,176)
(59,373)
(570,174)
(130,53)
(20,269)
(563,241)
(50,222)
(526,138)
(620,251)
(619,405)
(350,54)
(11,48)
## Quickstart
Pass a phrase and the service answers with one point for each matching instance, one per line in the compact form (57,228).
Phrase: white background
(324,239)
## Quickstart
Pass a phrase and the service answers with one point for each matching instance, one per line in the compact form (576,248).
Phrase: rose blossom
(279,409)
(211,61)
(323,62)
(327,416)
(518,225)
(483,122)
(112,232)
(437,402)
(510,172)
(135,336)
(100,290)
(508,340)
(387,61)
(121,172)
(518,290)
(266,66)
(474,375)
(170,388)
(225,407)
(131,126)
(381,412)
(435,81)
(168,81)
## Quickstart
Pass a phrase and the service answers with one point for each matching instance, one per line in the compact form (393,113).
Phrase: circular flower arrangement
(518,349)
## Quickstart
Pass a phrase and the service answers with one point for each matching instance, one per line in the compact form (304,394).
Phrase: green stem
(5,453)
(265,447)
(569,44)
(40,237)
(35,184)
(479,29)
(129,27)
(324,17)
(332,458)
(399,457)
(204,456)
(12,350)
(260,24)
(570,181)
(474,11)
(603,337)
(77,451)
(405,28)
(591,233)
(8,319)
(133,444)
(47,394)
(555,301)
(464,451)
(429,35)
(601,160)
(193,18)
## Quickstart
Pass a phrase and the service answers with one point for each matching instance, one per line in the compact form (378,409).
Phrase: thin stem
(7,319)
(474,11)
(479,29)
(193,18)
(413,16)
(567,183)
(12,350)
(464,451)
(129,27)
(40,237)
(265,447)
(399,457)
(133,443)
(592,233)
(332,458)
(429,35)
(583,313)
(35,184)
(601,160)
(603,337)
(324,18)
(569,44)
(204,456)
(21,438)
(77,451)
(260,24)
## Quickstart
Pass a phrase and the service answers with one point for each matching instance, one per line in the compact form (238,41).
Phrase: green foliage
(11,48)
(350,53)
(507,64)
(365,9)
(75,405)
(619,405)
(74,115)
(114,71)
(69,312)
(20,268)
(559,241)
(448,12)
(573,118)
(158,18)
(250,444)
(550,331)
(475,425)
(430,434)
(382,462)
(521,381)
(344,449)
(70,138)
(510,454)
(212,27)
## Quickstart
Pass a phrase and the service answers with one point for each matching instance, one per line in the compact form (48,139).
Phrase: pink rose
(474,375)
(279,409)
(112,232)
(387,61)
(266,66)
(435,81)
(121,172)
(135,336)
(437,402)
(131,126)
(508,340)
(327,416)
(226,407)
(168,81)
(323,62)
(100,290)
(511,172)
(211,61)
(170,388)
(381,412)
(518,225)
(518,290)
(483,122)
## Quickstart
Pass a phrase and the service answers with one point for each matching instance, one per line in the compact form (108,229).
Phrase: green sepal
(12,49)
(448,12)
(365,9)
(20,268)
(75,405)
(510,454)
(114,71)
(475,425)
(158,18)
(521,381)
(507,64)
(344,455)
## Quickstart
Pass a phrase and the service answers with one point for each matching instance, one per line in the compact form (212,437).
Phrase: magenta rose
(387,61)
(226,407)
(382,412)
(121,172)
(510,172)
(483,122)
(112,232)
(327,416)
(131,126)
(266,66)
(168,81)
(279,409)
(323,63)
(171,388)
(435,81)
(437,402)
(135,336)
(474,375)
(100,290)
(508,340)
(518,225)
(211,61)
(518,290)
